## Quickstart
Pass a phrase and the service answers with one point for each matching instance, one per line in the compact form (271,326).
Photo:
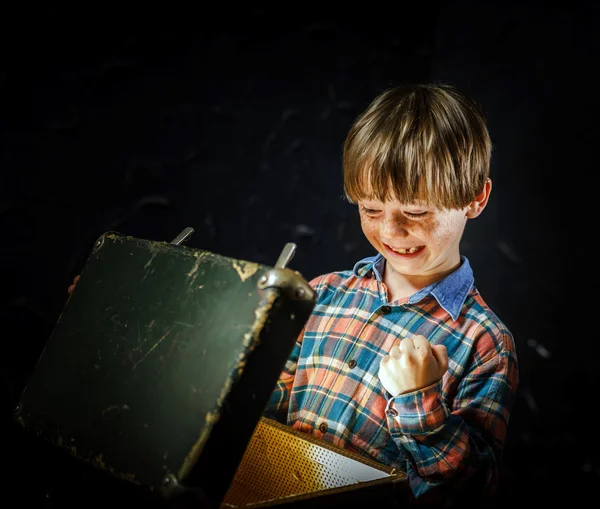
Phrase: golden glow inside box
(283,464)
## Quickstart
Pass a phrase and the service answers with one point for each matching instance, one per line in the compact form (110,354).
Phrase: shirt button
(386,310)
(352,364)
(323,427)
(392,412)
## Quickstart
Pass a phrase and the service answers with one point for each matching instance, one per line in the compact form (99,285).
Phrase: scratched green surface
(142,354)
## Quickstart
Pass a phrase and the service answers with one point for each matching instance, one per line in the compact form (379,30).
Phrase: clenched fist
(413,364)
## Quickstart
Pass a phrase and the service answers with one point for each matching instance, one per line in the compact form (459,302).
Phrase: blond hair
(418,142)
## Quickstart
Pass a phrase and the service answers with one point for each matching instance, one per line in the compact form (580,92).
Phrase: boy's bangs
(383,178)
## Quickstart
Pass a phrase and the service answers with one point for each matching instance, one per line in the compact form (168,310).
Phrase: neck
(400,286)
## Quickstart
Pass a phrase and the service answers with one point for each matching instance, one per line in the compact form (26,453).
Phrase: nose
(393,226)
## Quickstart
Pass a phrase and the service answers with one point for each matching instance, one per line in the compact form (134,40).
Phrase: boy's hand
(72,287)
(413,364)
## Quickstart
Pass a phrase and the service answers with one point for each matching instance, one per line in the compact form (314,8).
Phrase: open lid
(163,360)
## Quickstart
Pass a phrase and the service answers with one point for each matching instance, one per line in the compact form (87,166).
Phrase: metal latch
(289,282)
(184,236)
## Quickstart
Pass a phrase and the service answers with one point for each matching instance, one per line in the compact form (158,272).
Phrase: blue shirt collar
(450,292)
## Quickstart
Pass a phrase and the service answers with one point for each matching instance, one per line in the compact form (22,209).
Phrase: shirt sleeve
(278,403)
(463,443)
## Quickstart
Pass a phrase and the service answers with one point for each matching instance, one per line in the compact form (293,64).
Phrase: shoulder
(331,280)
(331,283)
(492,337)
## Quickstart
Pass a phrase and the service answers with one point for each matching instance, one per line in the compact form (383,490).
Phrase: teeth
(406,251)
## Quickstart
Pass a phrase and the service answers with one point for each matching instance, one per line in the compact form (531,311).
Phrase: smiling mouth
(405,251)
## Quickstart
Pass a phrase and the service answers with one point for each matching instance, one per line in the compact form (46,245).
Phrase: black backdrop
(231,121)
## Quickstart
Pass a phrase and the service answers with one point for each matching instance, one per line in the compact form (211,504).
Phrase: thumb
(440,354)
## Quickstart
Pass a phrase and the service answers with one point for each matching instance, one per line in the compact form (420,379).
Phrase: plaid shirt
(449,430)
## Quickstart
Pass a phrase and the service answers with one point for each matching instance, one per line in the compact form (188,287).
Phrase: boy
(401,360)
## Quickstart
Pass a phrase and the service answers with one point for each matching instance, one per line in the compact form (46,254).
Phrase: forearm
(445,447)
(277,405)
(453,455)
(279,400)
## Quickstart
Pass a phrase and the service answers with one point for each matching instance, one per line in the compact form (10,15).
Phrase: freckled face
(416,240)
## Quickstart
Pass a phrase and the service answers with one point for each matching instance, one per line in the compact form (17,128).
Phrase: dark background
(231,120)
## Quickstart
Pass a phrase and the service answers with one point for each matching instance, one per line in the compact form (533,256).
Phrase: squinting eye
(415,214)
(370,211)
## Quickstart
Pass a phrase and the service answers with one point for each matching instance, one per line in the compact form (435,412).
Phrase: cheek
(443,230)
(427,229)
(369,226)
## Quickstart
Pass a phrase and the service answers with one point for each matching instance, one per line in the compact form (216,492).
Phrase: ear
(478,204)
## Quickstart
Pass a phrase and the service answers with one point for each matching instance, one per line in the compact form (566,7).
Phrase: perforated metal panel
(280,462)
